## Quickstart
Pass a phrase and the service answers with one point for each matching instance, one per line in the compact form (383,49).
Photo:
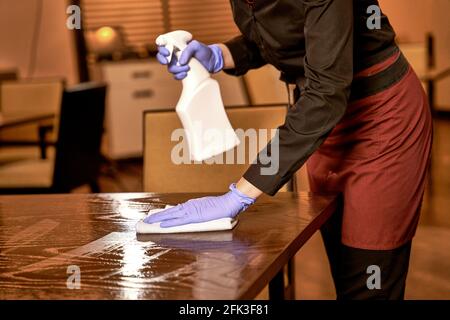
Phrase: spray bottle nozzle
(174,41)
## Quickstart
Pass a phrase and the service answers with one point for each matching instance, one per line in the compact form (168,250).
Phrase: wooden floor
(429,274)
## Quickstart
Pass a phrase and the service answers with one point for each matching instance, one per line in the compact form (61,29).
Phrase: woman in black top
(359,108)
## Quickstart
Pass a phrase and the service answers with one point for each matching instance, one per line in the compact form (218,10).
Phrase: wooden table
(8,122)
(85,247)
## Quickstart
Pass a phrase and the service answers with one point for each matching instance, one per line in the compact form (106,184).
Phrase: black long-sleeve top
(318,45)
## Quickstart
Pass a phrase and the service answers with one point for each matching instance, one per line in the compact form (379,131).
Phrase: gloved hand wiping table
(182,55)
(201,212)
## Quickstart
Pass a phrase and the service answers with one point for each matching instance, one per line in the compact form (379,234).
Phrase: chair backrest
(6,75)
(233,89)
(78,156)
(265,87)
(31,97)
(163,174)
(417,55)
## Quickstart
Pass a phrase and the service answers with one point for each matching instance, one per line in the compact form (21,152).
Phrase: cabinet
(133,87)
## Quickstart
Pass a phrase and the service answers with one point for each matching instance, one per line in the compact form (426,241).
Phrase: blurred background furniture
(28,109)
(264,86)
(77,158)
(30,97)
(422,57)
(5,75)
(134,86)
(8,74)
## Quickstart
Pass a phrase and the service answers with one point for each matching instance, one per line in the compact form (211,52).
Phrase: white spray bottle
(200,107)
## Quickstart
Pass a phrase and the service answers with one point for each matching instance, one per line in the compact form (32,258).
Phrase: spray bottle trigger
(173,50)
(170,48)
(176,51)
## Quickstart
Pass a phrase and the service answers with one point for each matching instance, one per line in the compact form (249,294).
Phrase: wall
(55,54)
(412,19)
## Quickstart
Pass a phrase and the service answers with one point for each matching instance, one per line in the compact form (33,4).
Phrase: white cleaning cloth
(213,225)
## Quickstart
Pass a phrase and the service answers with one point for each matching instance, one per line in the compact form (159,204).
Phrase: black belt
(371,85)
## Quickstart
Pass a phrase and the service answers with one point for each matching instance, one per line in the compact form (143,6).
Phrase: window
(141,21)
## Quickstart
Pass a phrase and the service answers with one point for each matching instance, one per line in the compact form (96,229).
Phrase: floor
(429,274)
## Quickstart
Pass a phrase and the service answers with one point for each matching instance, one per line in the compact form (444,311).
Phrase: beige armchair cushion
(27,174)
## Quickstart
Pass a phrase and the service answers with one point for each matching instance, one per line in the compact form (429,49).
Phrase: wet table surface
(85,247)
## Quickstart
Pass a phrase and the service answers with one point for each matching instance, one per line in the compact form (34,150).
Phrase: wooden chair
(77,152)
(161,174)
(233,89)
(421,56)
(265,87)
(6,75)
(417,56)
(31,97)
(28,98)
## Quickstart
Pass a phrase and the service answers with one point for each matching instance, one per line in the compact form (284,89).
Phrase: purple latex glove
(203,209)
(209,56)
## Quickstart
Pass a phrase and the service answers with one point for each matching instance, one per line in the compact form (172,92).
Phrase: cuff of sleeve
(239,54)
(245,200)
(218,58)
(269,184)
